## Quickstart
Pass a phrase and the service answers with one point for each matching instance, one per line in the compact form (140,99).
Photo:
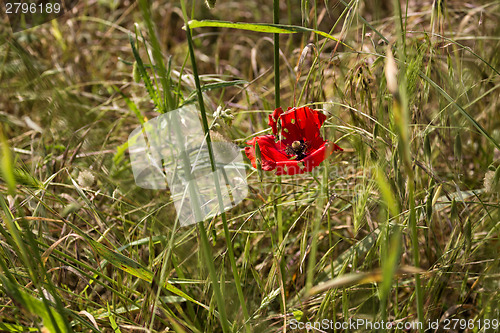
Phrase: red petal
(270,151)
(307,164)
(293,167)
(289,167)
(273,119)
(302,124)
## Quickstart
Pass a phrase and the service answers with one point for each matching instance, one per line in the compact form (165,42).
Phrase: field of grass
(401,227)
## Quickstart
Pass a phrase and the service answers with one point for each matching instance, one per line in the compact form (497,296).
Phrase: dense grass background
(402,226)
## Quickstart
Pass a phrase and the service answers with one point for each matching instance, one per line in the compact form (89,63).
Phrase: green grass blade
(131,105)
(134,268)
(163,71)
(145,77)
(112,321)
(130,266)
(52,319)
(17,328)
(6,163)
(261,27)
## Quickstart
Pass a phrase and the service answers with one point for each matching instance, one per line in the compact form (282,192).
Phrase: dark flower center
(296,145)
(298,148)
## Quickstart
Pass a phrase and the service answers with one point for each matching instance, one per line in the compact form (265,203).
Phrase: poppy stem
(276,20)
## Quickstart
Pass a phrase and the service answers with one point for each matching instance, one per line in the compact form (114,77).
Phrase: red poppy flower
(300,147)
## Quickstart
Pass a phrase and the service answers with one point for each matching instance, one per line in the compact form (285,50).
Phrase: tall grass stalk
(277,104)
(279,199)
(276,20)
(216,181)
(318,217)
(163,71)
(165,105)
(402,120)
